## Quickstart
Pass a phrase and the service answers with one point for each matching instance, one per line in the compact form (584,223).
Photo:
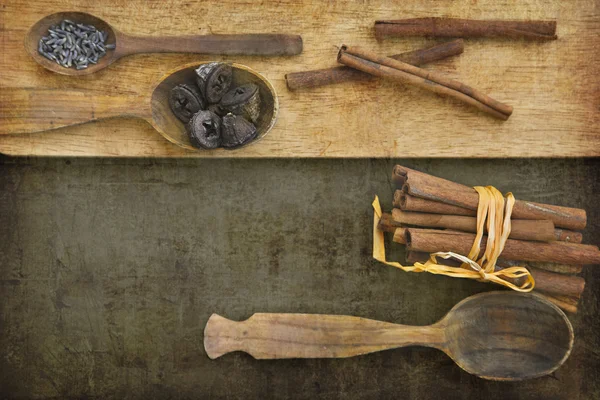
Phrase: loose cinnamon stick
(431,241)
(418,256)
(453,27)
(329,76)
(407,202)
(430,187)
(537,230)
(386,67)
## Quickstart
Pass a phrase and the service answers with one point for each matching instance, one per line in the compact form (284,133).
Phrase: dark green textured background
(109,270)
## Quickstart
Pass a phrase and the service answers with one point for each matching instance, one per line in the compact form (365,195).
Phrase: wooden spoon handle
(268,336)
(251,44)
(27,110)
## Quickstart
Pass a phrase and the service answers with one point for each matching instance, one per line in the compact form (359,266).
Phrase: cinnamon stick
(553,283)
(329,76)
(398,180)
(566,235)
(407,202)
(387,223)
(565,303)
(431,241)
(386,67)
(548,282)
(537,230)
(453,27)
(568,269)
(429,187)
(418,256)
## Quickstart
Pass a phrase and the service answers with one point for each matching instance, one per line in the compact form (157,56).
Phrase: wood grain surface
(553,86)
(272,336)
(118,311)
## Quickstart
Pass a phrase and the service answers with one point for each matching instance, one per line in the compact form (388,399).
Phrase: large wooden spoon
(33,110)
(494,335)
(248,44)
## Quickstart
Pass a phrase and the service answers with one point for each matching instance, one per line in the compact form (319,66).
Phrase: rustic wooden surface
(553,86)
(111,268)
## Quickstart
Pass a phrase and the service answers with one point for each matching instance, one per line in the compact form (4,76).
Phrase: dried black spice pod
(243,100)
(217,109)
(205,130)
(236,131)
(185,101)
(214,80)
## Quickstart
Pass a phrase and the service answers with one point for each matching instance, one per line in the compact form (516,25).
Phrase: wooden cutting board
(553,86)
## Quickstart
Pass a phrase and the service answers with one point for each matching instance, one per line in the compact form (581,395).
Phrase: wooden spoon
(248,44)
(34,110)
(495,335)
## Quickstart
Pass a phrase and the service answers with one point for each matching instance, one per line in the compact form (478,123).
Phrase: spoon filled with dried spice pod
(218,110)
(88,44)
(238,105)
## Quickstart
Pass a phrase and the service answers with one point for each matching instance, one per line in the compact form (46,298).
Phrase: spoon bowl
(265,44)
(506,336)
(40,29)
(175,131)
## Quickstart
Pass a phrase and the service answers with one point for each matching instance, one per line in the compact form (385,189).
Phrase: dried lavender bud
(205,130)
(68,40)
(243,100)
(185,101)
(236,131)
(214,80)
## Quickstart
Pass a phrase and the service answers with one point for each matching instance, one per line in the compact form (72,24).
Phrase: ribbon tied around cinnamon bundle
(493,212)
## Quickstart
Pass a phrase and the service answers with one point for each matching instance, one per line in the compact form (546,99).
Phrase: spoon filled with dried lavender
(76,43)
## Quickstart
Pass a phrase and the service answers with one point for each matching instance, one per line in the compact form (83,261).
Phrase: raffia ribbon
(491,211)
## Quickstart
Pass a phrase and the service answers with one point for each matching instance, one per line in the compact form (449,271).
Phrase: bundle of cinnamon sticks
(432,214)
